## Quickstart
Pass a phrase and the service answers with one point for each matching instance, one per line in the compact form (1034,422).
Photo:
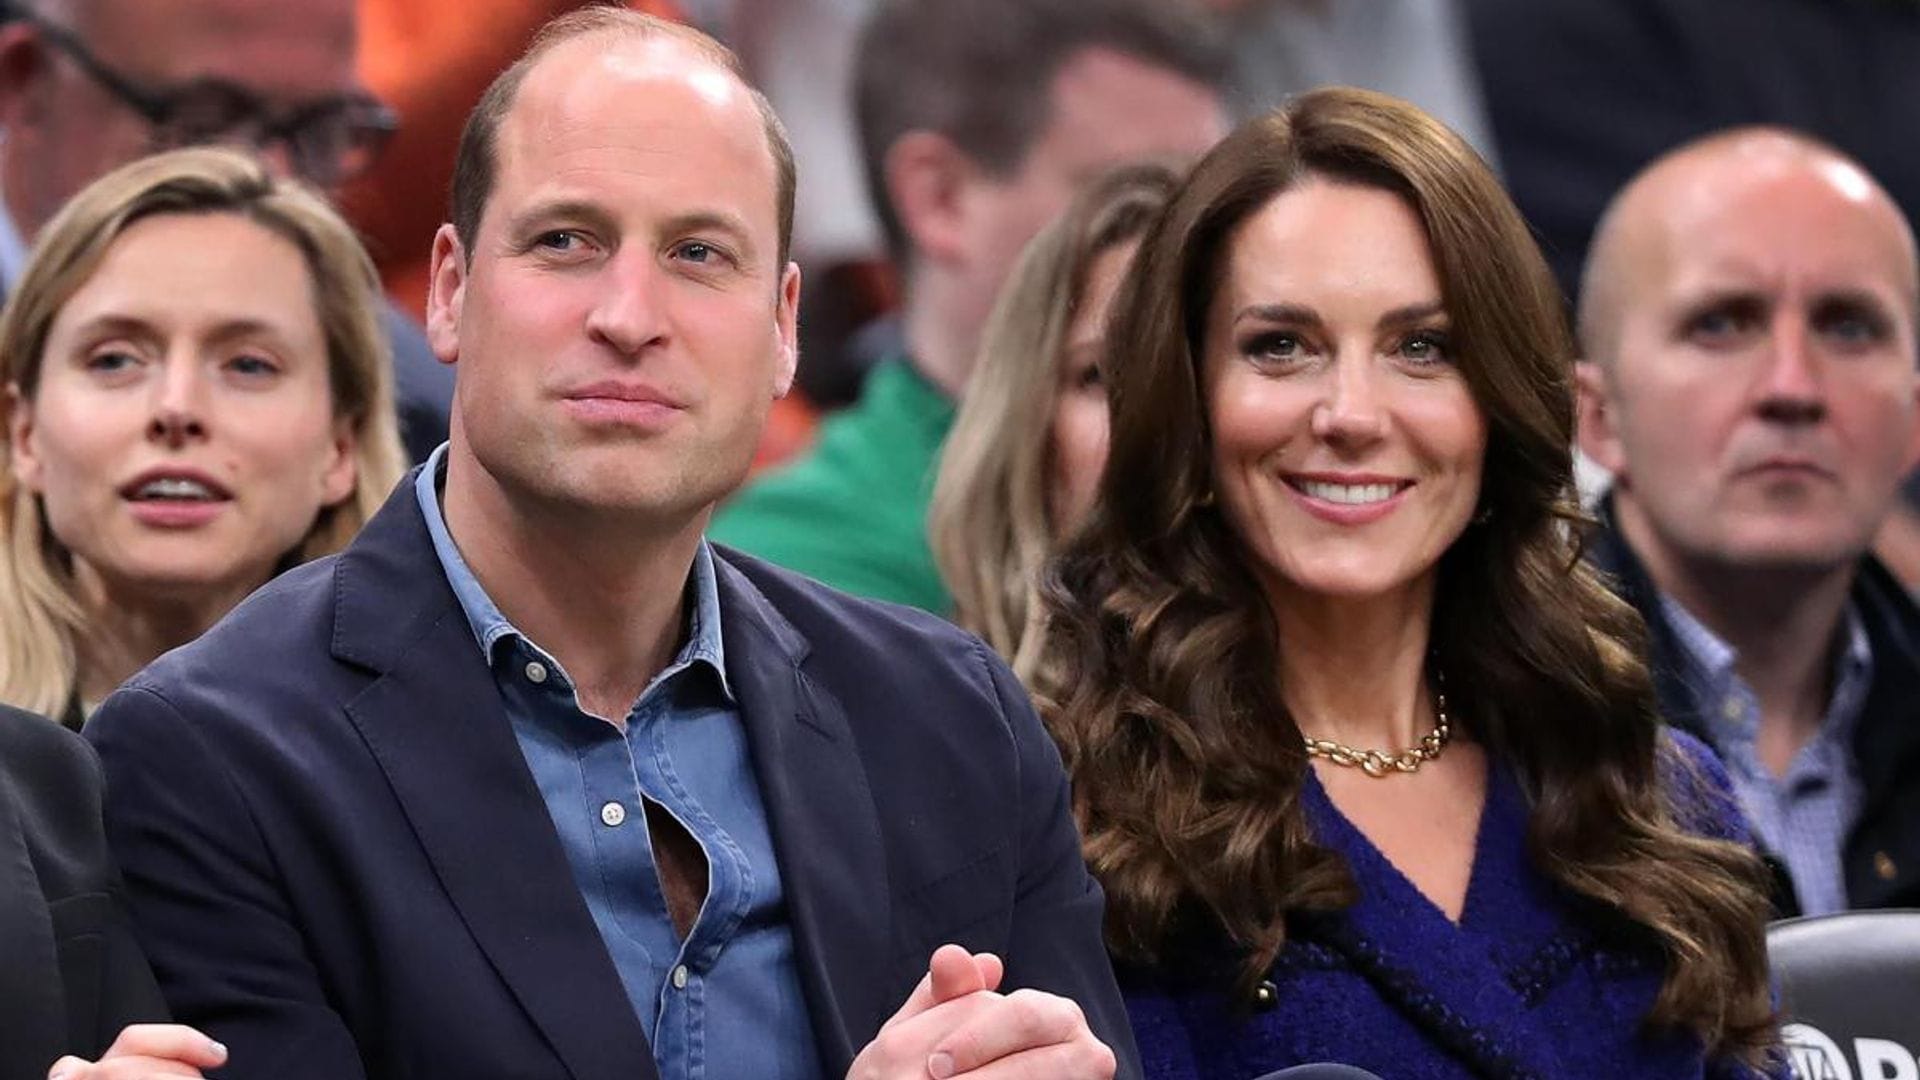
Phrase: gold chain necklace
(1379,764)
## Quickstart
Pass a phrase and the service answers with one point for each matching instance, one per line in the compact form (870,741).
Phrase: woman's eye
(248,364)
(110,361)
(1426,347)
(1274,346)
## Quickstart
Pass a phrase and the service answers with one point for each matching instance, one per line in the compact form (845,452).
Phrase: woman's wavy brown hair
(1159,676)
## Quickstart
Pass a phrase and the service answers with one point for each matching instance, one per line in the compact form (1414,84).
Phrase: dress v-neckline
(1355,843)
(1415,956)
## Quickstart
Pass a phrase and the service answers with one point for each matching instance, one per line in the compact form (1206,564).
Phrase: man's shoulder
(832,620)
(1891,615)
(274,636)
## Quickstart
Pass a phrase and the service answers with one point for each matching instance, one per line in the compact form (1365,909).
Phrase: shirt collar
(1710,663)
(704,643)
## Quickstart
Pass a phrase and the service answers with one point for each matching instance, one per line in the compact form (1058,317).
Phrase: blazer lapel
(33,1022)
(434,722)
(825,827)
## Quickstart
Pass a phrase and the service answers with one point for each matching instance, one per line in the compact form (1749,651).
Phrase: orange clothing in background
(431,60)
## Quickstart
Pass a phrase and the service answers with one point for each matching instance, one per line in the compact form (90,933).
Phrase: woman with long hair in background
(1019,469)
(198,397)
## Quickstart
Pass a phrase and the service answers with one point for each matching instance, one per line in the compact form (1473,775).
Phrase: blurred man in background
(979,122)
(1748,324)
(88,85)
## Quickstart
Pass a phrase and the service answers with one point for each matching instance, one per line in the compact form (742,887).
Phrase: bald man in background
(1747,324)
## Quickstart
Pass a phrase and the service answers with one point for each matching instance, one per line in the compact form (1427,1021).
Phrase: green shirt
(852,510)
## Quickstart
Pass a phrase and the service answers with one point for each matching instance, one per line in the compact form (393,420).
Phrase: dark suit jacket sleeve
(1056,942)
(207,902)
(73,976)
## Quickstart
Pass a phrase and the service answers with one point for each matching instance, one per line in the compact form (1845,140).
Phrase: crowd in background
(1434,485)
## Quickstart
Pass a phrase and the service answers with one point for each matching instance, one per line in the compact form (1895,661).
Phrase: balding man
(89,85)
(534,782)
(1748,330)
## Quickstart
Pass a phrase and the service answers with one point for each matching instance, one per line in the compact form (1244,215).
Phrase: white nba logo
(1814,1056)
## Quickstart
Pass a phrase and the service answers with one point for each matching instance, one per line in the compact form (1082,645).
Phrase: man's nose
(628,317)
(1793,385)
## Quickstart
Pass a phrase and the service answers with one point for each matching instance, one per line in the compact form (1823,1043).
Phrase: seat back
(1849,994)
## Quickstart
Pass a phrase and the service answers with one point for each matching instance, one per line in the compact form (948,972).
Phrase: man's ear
(787,319)
(446,292)
(926,178)
(1599,435)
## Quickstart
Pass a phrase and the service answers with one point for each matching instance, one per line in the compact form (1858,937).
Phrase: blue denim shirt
(1804,816)
(727,1002)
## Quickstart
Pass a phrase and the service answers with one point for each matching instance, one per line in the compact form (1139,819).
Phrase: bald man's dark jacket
(340,864)
(1882,859)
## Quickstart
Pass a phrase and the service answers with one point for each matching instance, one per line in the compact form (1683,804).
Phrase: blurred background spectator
(978,123)
(88,85)
(1022,464)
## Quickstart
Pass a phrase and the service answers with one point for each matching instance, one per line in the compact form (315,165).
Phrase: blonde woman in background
(198,397)
(1021,466)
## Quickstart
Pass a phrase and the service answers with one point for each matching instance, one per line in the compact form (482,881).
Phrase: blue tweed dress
(1532,982)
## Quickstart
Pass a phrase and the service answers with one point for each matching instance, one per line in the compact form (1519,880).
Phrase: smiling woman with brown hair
(198,396)
(1367,762)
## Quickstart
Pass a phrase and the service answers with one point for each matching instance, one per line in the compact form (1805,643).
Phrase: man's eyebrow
(586,213)
(1855,297)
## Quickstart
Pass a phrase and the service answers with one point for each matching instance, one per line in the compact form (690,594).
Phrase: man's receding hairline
(1598,304)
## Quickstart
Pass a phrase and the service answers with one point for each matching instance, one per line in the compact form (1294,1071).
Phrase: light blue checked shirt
(1804,816)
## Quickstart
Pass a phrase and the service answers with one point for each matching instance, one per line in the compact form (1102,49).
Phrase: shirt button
(1265,996)
(613,814)
(536,671)
(680,977)
(1884,866)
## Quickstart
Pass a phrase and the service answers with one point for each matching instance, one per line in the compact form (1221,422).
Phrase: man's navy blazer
(340,866)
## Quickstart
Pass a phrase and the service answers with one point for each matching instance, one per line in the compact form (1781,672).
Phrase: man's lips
(634,393)
(1783,466)
(619,403)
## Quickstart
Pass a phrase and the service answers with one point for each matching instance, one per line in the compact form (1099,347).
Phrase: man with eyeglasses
(88,85)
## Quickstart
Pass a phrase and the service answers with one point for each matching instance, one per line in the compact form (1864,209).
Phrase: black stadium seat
(1850,994)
